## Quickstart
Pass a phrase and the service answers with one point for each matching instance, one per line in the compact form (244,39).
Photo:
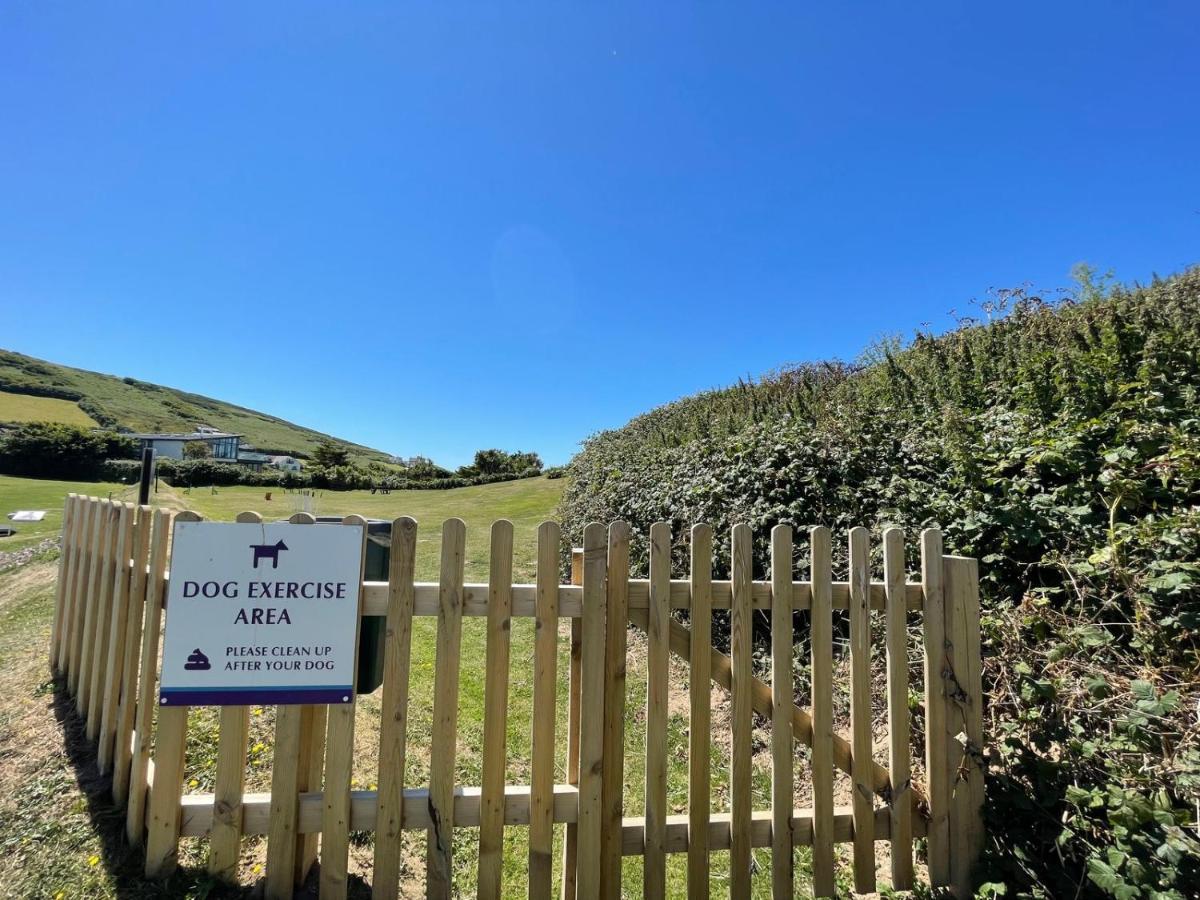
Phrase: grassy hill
(34,389)
(1059,444)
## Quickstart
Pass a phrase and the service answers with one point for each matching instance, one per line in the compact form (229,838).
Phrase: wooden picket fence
(105,645)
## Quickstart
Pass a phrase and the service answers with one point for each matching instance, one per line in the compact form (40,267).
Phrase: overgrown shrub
(52,450)
(1060,444)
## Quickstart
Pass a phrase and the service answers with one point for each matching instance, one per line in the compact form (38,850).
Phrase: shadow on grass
(125,863)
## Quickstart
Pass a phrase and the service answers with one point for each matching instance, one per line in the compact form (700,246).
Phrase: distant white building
(222,445)
(286,463)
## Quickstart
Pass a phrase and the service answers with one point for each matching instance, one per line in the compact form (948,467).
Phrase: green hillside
(141,406)
(1059,444)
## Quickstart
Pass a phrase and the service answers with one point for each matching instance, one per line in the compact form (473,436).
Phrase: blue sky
(432,228)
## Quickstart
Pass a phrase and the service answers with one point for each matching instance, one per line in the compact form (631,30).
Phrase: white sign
(264,614)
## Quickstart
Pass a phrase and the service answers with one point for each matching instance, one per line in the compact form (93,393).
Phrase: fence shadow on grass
(123,863)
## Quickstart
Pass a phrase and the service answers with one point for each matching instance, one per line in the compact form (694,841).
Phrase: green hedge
(51,450)
(1060,445)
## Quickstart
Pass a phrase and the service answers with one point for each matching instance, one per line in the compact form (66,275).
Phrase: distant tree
(196,450)
(497,462)
(422,468)
(491,462)
(329,455)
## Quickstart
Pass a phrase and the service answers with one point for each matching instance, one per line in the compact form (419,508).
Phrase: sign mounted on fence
(261,613)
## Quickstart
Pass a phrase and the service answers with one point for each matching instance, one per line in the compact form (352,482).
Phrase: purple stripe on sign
(256,696)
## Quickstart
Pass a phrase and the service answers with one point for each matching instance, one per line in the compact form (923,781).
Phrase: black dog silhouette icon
(268,551)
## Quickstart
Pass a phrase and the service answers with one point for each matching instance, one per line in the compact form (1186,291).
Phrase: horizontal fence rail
(109,610)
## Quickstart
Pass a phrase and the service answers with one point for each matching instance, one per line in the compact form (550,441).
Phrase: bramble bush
(1060,444)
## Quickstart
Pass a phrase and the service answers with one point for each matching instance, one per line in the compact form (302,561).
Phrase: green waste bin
(374,628)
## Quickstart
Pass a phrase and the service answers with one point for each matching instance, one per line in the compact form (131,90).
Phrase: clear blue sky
(432,229)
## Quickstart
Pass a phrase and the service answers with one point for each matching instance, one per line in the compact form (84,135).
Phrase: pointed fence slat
(162,817)
(114,662)
(439,852)
(288,851)
(339,763)
(393,726)
(700,713)
(654,882)
(495,712)
(60,584)
(937,772)
(860,712)
(225,839)
(71,553)
(613,786)
(545,700)
(282,835)
(964,719)
(574,711)
(900,801)
(87,529)
(821,554)
(127,706)
(741,651)
(117,518)
(782,699)
(591,726)
(147,687)
(101,531)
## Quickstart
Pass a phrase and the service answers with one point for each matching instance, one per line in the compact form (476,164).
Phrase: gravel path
(14,558)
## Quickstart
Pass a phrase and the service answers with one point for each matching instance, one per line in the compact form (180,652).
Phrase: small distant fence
(105,644)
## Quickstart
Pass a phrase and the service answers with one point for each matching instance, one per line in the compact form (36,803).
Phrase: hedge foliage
(1060,444)
(53,450)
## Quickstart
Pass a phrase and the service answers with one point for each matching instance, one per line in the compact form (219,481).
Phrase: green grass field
(82,854)
(34,493)
(25,408)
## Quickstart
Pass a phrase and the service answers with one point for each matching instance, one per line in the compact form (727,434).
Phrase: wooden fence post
(439,871)
(495,715)
(127,708)
(782,698)
(79,589)
(393,730)
(60,587)
(114,663)
(964,722)
(613,793)
(339,762)
(147,700)
(299,750)
(700,711)
(591,726)
(741,649)
(937,772)
(571,832)
(170,742)
(545,705)
(225,837)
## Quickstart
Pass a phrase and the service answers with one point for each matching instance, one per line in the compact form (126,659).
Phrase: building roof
(182,436)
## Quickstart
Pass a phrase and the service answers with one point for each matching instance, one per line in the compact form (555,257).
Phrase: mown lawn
(35,493)
(27,408)
(63,836)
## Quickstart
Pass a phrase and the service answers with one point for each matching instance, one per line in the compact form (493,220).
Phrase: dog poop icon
(197,661)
